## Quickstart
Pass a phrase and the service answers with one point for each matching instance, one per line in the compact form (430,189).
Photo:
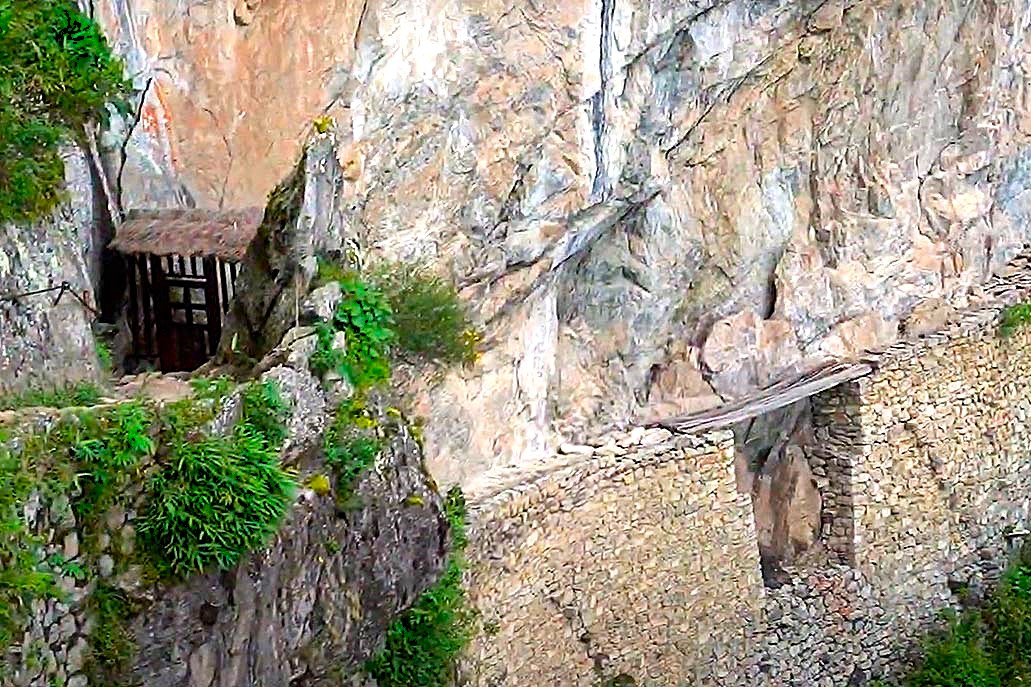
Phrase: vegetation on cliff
(399,311)
(986,647)
(57,74)
(1013,318)
(203,495)
(220,496)
(423,644)
(395,311)
(210,498)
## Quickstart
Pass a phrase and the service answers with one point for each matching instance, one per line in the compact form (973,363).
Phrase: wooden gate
(182,266)
(176,307)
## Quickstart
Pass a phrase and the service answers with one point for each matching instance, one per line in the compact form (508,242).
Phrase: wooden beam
(774,397)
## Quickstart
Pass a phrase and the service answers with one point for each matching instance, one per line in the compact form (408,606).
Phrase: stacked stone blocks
(640,564)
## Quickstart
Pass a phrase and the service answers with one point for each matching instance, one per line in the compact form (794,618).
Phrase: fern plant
(110,447)
(366,319)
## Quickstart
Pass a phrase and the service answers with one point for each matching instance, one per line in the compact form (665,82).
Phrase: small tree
(57,73)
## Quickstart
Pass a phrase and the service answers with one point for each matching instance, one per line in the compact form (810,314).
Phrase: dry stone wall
(316,602)
(937,461)
(637,558)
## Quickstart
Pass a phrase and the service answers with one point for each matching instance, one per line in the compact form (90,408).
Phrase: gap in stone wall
(772,465)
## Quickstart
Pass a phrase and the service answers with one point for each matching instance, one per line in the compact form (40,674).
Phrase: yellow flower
(323,124)
(319,484)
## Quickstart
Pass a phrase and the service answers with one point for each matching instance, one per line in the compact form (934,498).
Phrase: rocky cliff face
(652,205)
(317,602)
(44,343)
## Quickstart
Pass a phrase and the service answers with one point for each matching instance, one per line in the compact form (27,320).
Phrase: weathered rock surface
(615,183)
(302,222)
(316,602)
(43,344)
(787,506)
(771,466)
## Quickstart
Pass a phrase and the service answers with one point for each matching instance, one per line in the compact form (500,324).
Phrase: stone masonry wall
(316,601)
(939,459)
(640,559)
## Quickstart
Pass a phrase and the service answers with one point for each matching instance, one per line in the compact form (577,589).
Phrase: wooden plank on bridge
(778,395)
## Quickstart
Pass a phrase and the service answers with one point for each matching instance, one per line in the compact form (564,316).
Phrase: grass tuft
(431,321)
(986,647)
(1013,318)
(69,396)
(220,497)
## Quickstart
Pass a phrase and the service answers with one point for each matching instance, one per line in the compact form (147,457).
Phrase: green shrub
(423,645)
(397,308)
(351,444)
(1008,616)
(56,74)
(72,395)
(365,317)
(990,647)
(108,449)
(430,320)
(220,497)
(957,657)
(1013,318)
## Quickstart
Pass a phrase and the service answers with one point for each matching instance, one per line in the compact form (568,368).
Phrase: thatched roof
(223,234)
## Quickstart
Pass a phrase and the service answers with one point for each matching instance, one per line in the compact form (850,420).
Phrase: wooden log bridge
(779,395)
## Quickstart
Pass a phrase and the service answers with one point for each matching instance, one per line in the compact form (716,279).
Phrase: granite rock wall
(652,206)
(43,343)
(624,559)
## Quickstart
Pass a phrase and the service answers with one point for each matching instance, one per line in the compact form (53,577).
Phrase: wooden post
(211,303)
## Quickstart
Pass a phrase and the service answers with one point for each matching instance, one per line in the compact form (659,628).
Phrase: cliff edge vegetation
(57,74)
